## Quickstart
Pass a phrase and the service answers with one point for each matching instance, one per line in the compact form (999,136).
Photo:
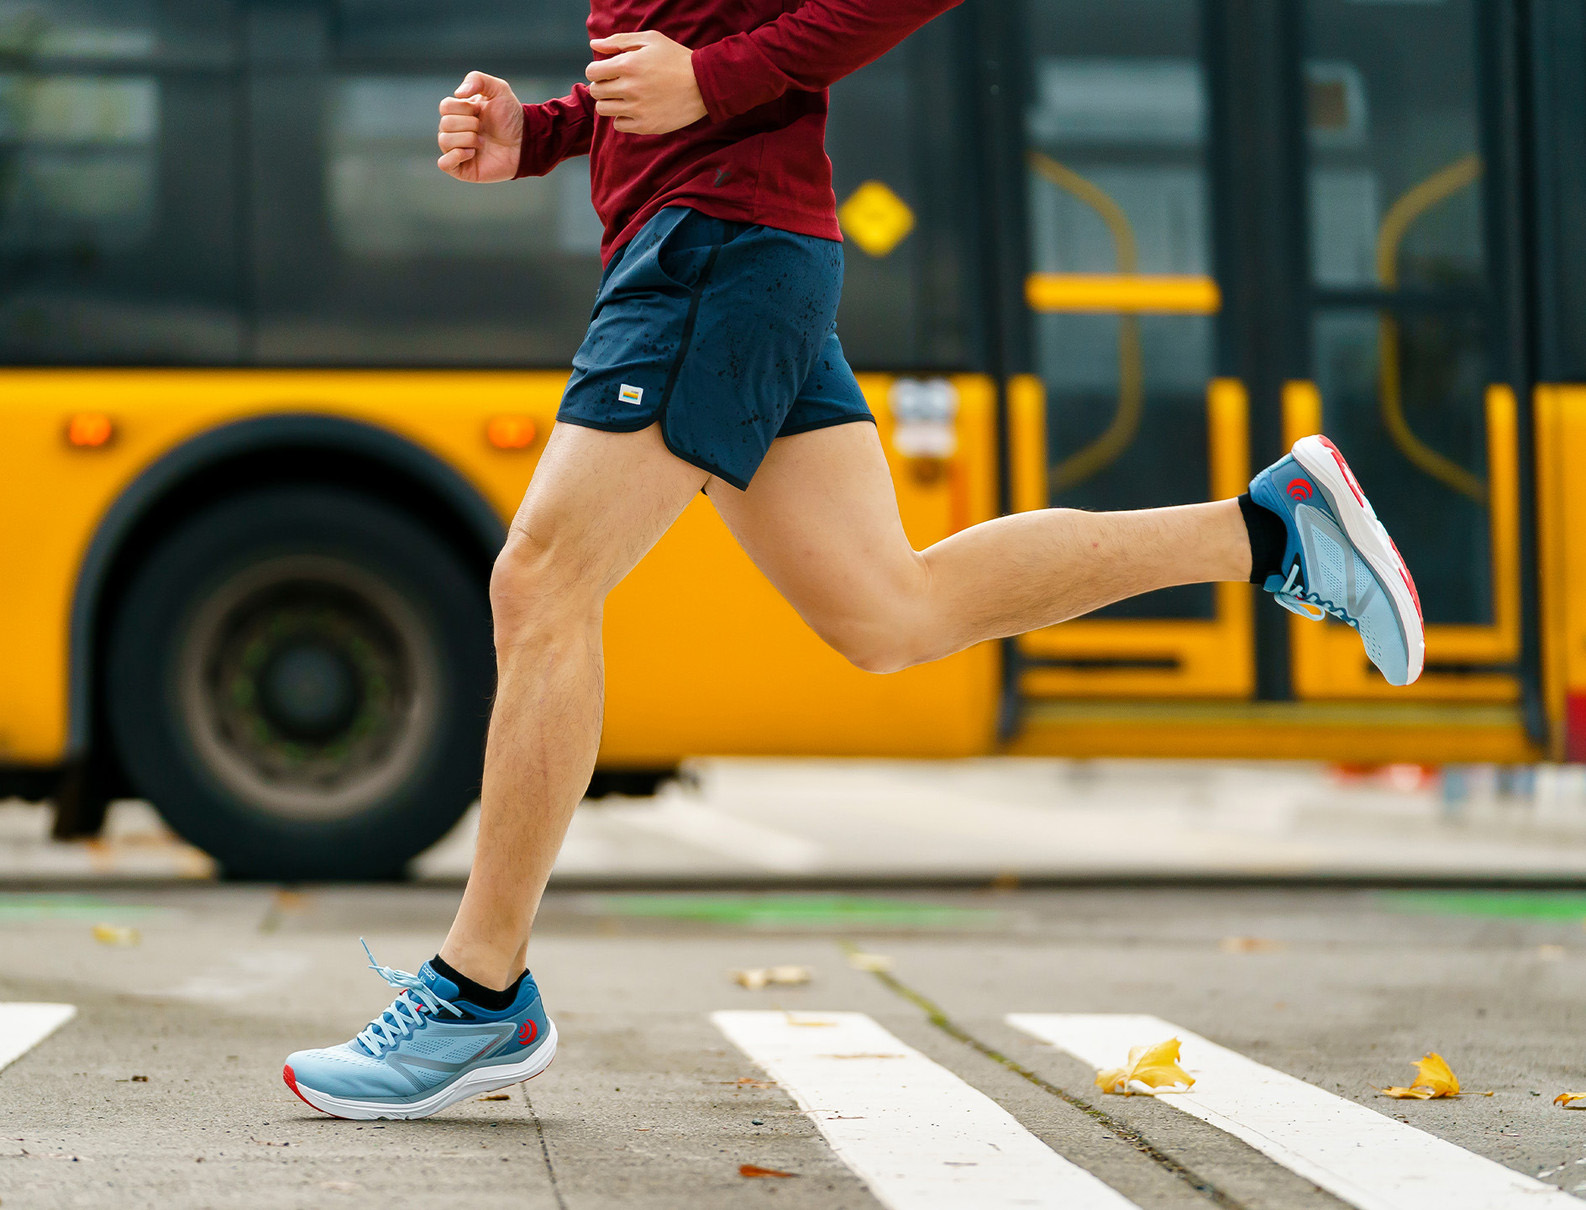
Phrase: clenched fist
(647,86)
(481,130)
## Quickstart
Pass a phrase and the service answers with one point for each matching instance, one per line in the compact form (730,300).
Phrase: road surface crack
(939,1018)
(545,1150)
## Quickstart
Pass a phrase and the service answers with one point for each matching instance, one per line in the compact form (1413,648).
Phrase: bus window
(515,30)
(895,137)
(117,241)
(174,33)
(1400,332)
(365,252)
(1120,259)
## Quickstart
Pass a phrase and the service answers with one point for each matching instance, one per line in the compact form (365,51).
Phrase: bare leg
(821,521)
(599,501)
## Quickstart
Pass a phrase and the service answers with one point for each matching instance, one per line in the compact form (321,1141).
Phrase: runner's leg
(598,502)
(820,519)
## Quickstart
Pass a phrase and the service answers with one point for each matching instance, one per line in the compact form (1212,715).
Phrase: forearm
(554,131)
(809,48)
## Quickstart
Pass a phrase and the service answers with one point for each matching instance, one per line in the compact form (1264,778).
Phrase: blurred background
(271,385)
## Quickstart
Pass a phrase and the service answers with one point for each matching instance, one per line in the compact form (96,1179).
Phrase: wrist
(525,167)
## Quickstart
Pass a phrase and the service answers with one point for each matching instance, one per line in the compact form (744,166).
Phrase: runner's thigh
(599,501)
(820,519)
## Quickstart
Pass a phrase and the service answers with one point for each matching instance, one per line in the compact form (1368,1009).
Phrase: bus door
(1120,404)
(1406,349)
(1241,224)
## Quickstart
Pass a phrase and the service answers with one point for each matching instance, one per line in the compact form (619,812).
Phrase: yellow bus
(271,385)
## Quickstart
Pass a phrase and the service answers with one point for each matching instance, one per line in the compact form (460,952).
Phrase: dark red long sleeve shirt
(759,156)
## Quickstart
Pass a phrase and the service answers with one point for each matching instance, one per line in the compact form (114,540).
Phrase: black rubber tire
(195,566)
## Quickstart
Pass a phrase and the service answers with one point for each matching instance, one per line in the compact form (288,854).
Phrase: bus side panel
(54,497)
(702,655)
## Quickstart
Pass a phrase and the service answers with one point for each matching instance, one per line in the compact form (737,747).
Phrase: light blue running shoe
(430,1049)
(1339,559)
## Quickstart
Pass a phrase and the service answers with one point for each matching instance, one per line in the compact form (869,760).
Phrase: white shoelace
(404,1015)
(1293,593)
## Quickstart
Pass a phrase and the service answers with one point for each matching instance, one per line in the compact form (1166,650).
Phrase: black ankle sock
(1269,537)
(486,998)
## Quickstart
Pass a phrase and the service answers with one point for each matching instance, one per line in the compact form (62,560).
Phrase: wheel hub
(309,686)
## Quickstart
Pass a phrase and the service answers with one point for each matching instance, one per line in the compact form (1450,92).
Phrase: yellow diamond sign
(875,218)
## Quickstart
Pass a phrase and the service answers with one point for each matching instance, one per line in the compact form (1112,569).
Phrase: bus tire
(298,678)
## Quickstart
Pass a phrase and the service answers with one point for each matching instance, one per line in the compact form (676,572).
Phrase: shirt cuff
(734,77)
(527,160)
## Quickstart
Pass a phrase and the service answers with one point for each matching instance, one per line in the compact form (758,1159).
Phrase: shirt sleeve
(555,131)
(809,48)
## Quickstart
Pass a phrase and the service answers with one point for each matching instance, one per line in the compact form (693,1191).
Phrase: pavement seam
(545,1150)
(939,1018)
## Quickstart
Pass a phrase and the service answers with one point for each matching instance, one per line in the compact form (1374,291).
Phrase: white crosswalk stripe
(1359,1155)
(24,1026)
(919,1137)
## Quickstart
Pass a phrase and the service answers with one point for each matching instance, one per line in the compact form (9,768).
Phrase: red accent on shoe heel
(290,1077)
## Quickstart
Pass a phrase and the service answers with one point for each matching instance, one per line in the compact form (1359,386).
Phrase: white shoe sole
(477,1082)
(1324,464)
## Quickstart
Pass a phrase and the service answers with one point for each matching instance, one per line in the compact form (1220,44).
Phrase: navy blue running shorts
(725,333)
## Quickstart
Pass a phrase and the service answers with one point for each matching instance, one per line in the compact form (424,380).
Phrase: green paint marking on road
(1513,905)
(22,909)
(782,911)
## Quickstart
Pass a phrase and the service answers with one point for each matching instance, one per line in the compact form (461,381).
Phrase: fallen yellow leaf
(116,934)
(1433,1078)
(755,1171)
(760,976)
(1568,1099)
(1150,1070)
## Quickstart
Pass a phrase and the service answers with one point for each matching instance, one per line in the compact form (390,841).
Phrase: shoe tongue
(438,983)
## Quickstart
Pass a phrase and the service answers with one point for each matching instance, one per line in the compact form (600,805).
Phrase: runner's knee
(536,584)
(880,654)
(886,630)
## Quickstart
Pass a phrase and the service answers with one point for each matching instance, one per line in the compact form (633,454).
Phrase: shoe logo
(527,1032)
(1299,489)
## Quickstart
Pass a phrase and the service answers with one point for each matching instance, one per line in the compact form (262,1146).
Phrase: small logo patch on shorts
(627,394)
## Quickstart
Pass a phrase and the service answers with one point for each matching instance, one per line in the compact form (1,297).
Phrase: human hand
(648,86)
(481,132)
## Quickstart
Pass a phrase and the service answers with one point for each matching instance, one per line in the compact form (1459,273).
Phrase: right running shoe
(430,1049)
(1339,559)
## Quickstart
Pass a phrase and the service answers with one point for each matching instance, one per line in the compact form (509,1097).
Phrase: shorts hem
(584,422)
(831,422)
(695,460)
(692,459)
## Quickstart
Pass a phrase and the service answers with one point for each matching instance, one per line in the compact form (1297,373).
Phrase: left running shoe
(430,1049)
(1339,560)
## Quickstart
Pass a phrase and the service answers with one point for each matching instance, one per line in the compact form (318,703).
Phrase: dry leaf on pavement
(1432,1079)
(756,1170)
(1150,1070)
(1568,1099)
(116,934)
(757,977)
(1249,945)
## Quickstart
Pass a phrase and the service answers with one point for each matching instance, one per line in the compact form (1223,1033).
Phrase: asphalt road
(164,1088)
